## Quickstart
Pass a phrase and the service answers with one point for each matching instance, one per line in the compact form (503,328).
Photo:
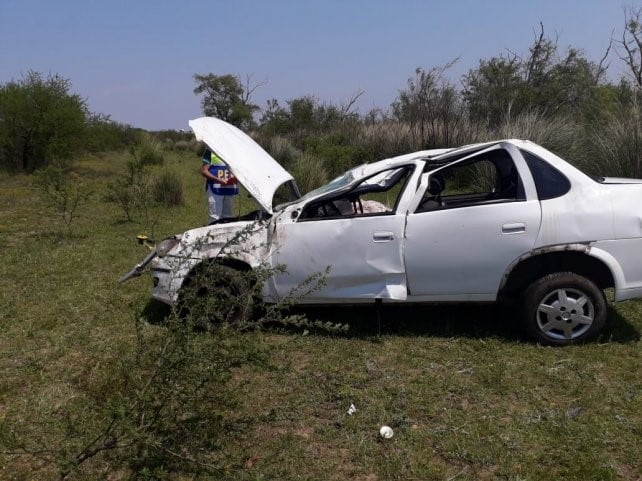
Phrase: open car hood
(259,173)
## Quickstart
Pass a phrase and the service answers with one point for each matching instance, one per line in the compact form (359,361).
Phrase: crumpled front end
(242,241)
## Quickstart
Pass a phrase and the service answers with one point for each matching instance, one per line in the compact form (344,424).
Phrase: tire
(215,295)
(563,308)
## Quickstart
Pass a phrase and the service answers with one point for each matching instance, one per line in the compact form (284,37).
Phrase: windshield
(335,184)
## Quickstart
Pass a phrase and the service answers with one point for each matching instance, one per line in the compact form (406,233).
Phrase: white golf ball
(386,432)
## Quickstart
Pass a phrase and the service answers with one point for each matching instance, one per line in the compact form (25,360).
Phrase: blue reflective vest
(219,170)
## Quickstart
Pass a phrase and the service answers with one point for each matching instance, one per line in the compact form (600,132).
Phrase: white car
(481,223)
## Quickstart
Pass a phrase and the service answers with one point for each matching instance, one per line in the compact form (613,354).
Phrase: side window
(549,182)
(487,178)
(376,195)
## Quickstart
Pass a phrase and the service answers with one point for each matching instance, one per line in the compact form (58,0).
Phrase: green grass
(468,399)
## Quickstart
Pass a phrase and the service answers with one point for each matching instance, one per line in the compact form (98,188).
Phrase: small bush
(336,152)
(131,190)
(167,189)
(62,191)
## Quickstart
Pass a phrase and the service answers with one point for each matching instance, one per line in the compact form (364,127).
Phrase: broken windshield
(335,184)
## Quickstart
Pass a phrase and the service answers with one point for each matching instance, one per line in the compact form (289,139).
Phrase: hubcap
(565,314)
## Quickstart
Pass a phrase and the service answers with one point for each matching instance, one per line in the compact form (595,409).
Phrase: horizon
(135,62)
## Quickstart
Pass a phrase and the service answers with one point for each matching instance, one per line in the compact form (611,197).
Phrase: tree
(227,98)
(544,81)
(40,121)
(492,90)
(307,114)
(629,48)
(432,106)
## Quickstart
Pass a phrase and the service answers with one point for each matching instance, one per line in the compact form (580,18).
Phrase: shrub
(164,408)
(167,189)
(62,191)
(131,190)
(103,134)
(337,153)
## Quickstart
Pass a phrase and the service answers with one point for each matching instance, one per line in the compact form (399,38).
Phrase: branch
(346,109)
(601,68)
(247,90)
(631,46)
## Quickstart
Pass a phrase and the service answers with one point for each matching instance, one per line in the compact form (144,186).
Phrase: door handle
(514,228)
(383,236)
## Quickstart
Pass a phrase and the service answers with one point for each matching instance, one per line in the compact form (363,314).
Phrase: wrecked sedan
(481,223)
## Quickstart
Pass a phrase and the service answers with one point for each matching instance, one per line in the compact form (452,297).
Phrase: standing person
(220,187)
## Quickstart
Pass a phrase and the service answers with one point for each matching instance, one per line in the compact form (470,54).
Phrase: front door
(357,234)
(363,255)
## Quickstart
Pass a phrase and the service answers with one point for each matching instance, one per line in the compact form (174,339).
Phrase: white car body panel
(437,241)
(364,255)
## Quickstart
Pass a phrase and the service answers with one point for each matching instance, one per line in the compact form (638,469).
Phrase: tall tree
(40,121)
(226,97)
(432,106)
(493,88)
(543,81)
(629,48)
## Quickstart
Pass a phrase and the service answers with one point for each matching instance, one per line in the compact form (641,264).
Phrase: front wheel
(216,294)
(563,308)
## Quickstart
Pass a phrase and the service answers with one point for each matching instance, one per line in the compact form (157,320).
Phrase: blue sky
(135,59)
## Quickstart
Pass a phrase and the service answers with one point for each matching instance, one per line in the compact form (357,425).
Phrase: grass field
(466,396)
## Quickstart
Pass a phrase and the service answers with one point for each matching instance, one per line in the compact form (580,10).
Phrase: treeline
(554,96)
(41,120)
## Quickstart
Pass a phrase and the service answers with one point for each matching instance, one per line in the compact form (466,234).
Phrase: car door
(357,235)
(474,218)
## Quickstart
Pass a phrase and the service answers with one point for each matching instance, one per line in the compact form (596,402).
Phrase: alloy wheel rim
(565,314)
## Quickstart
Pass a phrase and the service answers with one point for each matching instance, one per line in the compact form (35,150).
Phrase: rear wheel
(563,308)
(215,294)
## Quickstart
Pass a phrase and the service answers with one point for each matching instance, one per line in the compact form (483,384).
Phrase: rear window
(549,182)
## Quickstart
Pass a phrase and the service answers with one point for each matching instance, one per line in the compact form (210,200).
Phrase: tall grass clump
(148,151)
(558,134)
(310,172)
(167,189)
(617,145)
(388,139)
(283,151)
